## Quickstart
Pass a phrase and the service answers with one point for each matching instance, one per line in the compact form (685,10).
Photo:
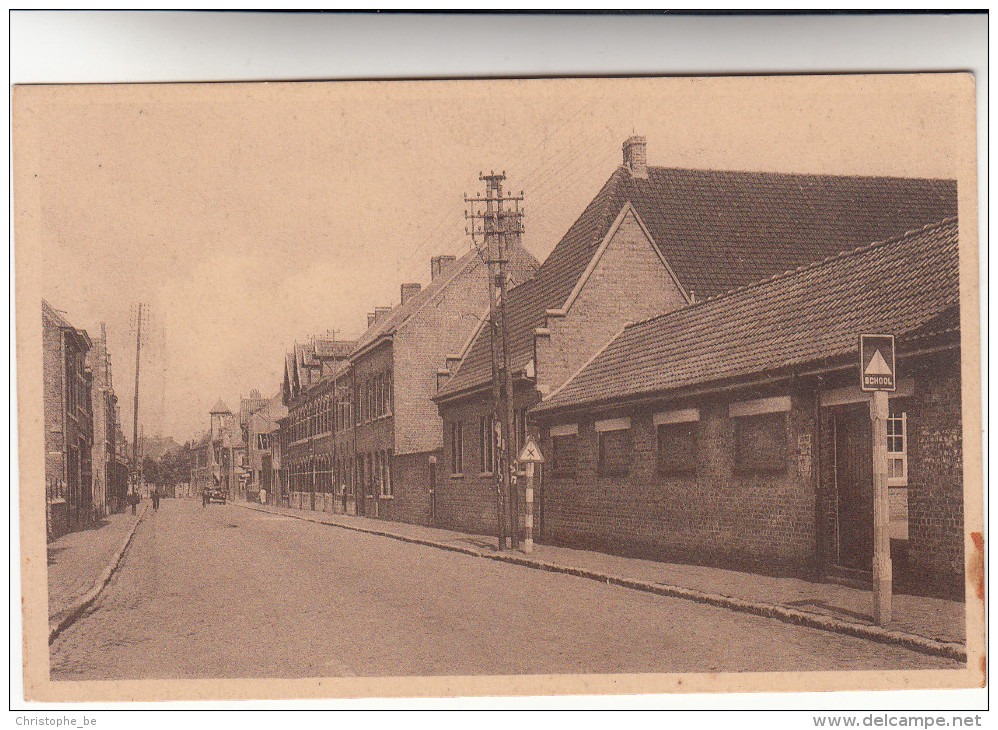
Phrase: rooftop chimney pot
(438,264)
(409,291)
(636,156)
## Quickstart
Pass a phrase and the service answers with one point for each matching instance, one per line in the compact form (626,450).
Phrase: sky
(249,217)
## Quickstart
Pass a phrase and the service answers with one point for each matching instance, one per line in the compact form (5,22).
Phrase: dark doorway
(854,485)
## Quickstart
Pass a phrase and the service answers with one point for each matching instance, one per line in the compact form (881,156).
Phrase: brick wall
(53,374)
(412,488)
(760,520)
(935,474)
(468,502)
(628,284)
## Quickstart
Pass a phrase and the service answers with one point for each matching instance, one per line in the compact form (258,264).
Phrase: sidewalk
(77,560)
(928,624)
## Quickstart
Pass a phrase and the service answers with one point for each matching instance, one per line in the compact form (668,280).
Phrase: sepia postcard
(498,387)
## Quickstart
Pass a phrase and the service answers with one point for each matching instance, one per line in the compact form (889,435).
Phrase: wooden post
(528,508)
(882,568)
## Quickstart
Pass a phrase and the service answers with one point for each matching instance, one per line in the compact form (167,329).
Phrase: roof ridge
(806,267)
(823,175)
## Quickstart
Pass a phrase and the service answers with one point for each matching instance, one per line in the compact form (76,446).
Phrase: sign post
(878,374)
(530,455)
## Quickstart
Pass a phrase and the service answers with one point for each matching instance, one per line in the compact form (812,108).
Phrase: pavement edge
(881,635)
(69,615)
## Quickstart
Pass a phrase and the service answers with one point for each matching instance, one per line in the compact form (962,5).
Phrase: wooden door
(854,486)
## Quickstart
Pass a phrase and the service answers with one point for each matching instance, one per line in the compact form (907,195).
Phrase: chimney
(409,291)
(635,156)
(370,318)
(380,313)
(438,264)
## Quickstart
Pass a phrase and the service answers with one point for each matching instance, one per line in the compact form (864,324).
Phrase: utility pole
(494,225)
(135,403)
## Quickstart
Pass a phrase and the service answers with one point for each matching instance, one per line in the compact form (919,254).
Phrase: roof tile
(908,286)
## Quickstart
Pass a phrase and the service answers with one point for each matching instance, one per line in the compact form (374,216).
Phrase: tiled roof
(522,266)
(719,230)
(906,286)
(334,348)
(220,407)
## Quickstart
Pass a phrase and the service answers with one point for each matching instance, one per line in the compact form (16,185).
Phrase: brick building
(389,432)
(307,443)
(218,458)
(733,432)
(68,423)
(262,448)
(653,240)
(110,488)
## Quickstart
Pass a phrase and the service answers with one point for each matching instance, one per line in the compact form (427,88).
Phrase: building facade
(306,439)
(263,450)
(395,436)
(68,423)
(734,432)
(109,488)
(653,240)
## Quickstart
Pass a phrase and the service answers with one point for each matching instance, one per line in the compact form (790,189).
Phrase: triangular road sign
(878,366)
(531,452)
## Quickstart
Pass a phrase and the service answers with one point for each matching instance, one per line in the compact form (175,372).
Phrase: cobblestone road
(228,592)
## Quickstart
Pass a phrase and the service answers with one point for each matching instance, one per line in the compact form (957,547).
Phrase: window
(369,475)
(761,442)
(614,446)
(488,441)
(457,447)
(897,449)
(385,477)
(677,448)
(564,449)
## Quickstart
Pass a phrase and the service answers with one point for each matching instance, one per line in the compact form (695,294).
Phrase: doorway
(854,485)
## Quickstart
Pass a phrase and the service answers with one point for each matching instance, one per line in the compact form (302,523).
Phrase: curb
(69,615)
(914,642)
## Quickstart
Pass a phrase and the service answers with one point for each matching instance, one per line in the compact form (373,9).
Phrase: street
(223,591)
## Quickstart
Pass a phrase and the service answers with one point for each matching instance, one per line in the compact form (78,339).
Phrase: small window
(457,447)
(677,448)
(761,442)
(897,449)
(487,443)
(564,453)
(614,452)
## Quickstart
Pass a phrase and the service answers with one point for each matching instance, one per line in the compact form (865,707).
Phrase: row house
(652,241)
(201,464)
(366,438)
(247,407)
(391,433)
(68,422)
(218,458)
(306,440)
(110,482)
(264,455)
(734,432)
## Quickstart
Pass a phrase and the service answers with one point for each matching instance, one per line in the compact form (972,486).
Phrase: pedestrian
(263,496)
(204,497)
(133,499)
(155,499)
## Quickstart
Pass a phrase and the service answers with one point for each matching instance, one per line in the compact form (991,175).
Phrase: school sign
(876,362)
